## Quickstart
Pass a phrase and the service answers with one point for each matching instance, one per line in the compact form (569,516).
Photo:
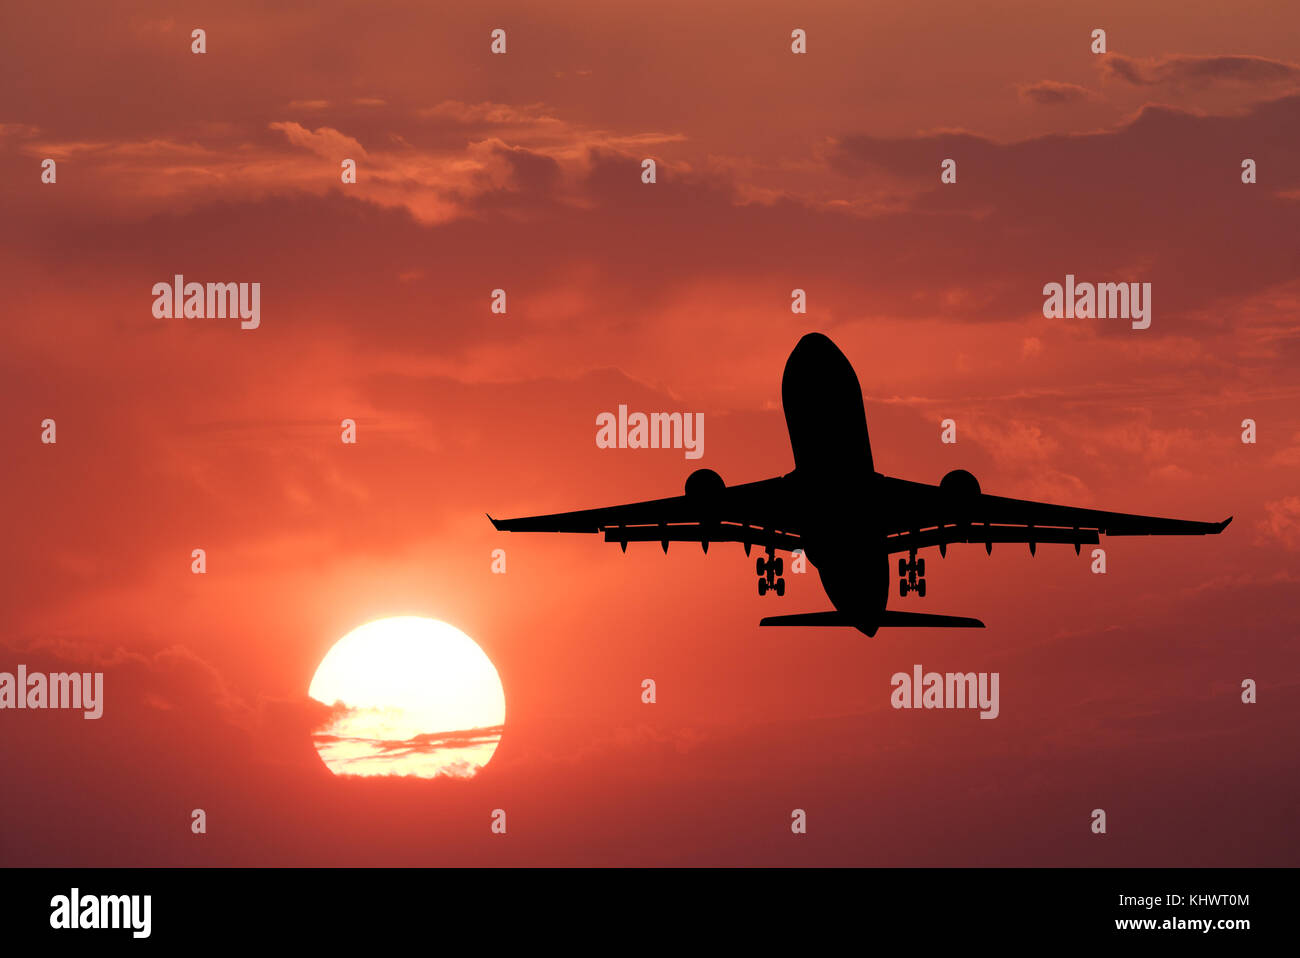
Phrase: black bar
(665,909)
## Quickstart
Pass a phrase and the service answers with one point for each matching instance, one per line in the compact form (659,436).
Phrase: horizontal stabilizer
(810,618)
(888,619)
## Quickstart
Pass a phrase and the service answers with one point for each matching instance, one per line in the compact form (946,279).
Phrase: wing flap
(988,534)
(702,532)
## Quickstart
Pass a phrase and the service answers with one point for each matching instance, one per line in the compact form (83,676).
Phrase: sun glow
(418,697)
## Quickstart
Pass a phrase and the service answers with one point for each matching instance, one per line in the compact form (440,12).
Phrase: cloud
(324,141)
(1123,191)
(168,678)
(1200,71)
(1282,522)
(456,159)
(1288,455)
(1054,93)
(200,702)
(426,743)
(491,114)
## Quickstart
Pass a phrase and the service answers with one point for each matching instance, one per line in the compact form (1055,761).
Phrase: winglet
(1223,525)
(495,525)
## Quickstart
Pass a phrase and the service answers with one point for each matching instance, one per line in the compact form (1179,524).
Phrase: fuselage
(834,478)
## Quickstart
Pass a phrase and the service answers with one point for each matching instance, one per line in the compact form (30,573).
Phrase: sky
(523,171)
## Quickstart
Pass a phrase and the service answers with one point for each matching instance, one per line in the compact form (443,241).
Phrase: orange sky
(523,172)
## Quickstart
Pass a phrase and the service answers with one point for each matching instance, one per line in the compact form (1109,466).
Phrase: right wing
(923,515)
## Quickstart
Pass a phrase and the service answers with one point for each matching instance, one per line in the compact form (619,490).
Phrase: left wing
(923,515)
(754,513)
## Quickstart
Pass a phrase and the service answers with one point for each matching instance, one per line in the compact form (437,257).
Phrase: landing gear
(911,575)
(769,571)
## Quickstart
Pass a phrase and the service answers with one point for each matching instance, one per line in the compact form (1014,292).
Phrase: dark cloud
(1054,93)
(1163,190)
(1199,71)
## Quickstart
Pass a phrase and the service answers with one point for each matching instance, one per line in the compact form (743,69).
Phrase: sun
(417,697)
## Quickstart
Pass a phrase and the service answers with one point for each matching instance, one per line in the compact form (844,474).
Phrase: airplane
(847,518)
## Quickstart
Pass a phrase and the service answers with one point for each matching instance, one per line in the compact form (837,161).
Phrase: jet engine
(704,484)
(959,484)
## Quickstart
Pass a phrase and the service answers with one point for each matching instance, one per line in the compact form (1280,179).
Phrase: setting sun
(416,696)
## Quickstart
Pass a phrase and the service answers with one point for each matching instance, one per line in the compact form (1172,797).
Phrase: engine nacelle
(959,484)
(704,484)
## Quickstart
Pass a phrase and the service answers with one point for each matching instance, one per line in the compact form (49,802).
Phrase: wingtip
(1224,524)
(495,525)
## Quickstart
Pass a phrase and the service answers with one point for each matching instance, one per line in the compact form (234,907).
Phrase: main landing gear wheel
(770,568)
(911,575)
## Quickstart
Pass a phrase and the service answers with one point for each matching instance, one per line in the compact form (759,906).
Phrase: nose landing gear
(769,572)
(911,575)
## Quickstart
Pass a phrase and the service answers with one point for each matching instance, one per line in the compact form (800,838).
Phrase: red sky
(522,171)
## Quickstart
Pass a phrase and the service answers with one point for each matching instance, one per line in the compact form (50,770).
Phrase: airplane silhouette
(847,518)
